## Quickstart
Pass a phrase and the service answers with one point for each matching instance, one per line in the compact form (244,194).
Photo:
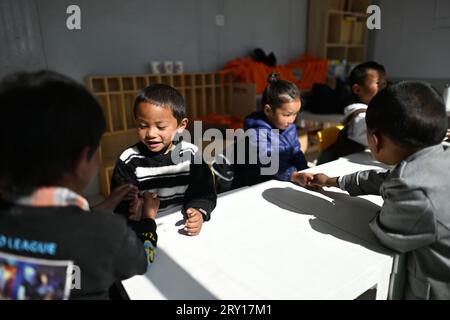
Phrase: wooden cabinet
(204,93)
(337,29)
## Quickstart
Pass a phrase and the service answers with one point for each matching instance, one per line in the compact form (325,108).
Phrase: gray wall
(21,45)
(414,42)
(119,36)
(123,36)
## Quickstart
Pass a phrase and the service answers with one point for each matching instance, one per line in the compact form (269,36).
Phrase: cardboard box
(243,99)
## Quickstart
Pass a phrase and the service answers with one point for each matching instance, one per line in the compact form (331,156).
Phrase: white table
(273,241)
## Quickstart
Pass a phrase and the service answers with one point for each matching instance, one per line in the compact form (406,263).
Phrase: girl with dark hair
(274,133)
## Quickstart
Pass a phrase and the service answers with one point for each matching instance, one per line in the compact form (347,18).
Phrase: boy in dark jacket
(50,128)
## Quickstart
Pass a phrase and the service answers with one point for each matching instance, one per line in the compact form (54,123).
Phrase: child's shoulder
(256,120)
(130,153)
(354,107)
(353,110)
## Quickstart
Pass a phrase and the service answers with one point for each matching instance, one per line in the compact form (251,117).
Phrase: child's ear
(83,169)
(182,125)
(267,110)
(81,160)
(356,89)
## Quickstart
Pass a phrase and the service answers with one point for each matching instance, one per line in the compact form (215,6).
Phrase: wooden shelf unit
(204,93)
(337,29)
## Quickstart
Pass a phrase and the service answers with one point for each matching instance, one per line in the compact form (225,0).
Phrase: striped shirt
(176,180)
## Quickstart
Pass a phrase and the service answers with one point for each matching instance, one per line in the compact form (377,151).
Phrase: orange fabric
(231,122)
(246,70)
(313,70)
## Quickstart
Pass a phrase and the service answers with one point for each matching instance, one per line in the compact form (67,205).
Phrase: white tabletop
(272,241)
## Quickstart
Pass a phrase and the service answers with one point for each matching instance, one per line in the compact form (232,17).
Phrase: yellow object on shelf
(328,136)
(337,29)
(359,32)
(346,29)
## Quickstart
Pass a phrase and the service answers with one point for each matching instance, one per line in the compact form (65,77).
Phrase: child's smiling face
(157,126)
(374,81)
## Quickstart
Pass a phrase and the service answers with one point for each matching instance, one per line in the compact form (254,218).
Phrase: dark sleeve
(131,259)
(265,146)
(364,182)
(298,158)
(286,174)
(146,232)
(406,221)
(122,174)
(297,161)
(201,193)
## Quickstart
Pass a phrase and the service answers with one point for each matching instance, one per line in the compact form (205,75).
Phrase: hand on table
(313,181)
(194,222)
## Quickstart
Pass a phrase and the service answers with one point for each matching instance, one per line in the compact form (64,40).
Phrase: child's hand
(194,222)
(135,209)
(145,207)
(134,191)
(321,180)
(150,206)
(313,181)
(303,179)
(124,192)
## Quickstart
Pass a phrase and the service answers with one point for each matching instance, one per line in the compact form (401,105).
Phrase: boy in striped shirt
(173,170)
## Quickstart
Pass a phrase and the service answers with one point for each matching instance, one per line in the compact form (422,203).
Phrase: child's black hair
(164,96)
(46,119)
(411,113)
(279,92)
(359,73)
